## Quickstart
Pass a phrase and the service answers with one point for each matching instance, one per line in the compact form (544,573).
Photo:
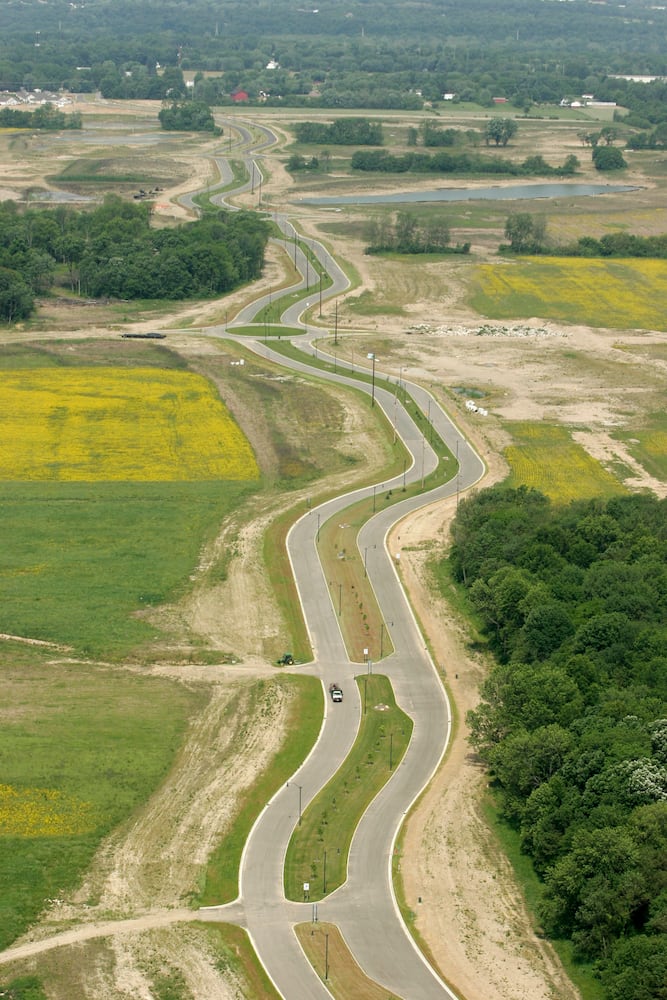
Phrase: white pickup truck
(336,692)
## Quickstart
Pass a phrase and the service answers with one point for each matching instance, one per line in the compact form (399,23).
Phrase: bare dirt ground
(468,906)
(471,914)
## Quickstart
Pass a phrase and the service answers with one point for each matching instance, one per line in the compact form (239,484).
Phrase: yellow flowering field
(118,424)
(616,293)
(43,812)
(545,457)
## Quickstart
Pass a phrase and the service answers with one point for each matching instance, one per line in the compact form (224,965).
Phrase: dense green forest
(113,252)
(573,718)
(342,132)
(187,116)
(358,54)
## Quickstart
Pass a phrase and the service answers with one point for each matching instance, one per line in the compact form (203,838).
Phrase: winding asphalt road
(364,908)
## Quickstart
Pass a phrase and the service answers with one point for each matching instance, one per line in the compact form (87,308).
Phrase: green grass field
(102,739)
(648,444)
(545,457)
(322,841)
(79,560)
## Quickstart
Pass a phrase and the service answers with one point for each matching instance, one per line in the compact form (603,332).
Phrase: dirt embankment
(468,905)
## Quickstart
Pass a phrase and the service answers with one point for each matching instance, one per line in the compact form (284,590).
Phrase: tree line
(114,252)
(379,160)
(527,234)
(46,117)
(572,722)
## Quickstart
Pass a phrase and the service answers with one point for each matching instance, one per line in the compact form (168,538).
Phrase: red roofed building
(239,96)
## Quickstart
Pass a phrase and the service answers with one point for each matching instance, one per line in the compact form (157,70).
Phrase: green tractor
(286,660)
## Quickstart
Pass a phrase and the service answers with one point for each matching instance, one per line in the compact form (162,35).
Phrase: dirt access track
(468,907)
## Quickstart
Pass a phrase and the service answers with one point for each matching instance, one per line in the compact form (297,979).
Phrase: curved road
(364,908)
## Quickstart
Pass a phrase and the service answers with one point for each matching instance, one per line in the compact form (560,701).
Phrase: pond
(511,192)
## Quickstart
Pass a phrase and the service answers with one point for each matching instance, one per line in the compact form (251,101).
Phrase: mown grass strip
(332,960)
(304,723)
(319,847)
(203,199)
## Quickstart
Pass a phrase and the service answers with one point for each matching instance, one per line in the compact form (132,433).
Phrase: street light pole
(458,469)
(371,357)
(423,450)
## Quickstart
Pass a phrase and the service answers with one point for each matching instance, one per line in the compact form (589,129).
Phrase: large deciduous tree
(500,130)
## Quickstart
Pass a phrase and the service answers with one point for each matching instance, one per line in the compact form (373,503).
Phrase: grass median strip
(318,851)
(332,960)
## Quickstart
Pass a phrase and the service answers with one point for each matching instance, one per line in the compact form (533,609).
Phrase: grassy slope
(103,737)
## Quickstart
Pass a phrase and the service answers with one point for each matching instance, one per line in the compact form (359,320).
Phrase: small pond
(512,192)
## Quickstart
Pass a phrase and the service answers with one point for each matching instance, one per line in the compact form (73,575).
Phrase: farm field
(546,458)
(127,425)
(622,294)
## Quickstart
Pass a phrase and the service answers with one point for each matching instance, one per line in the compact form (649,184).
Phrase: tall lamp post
(371,357)
(300,787)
